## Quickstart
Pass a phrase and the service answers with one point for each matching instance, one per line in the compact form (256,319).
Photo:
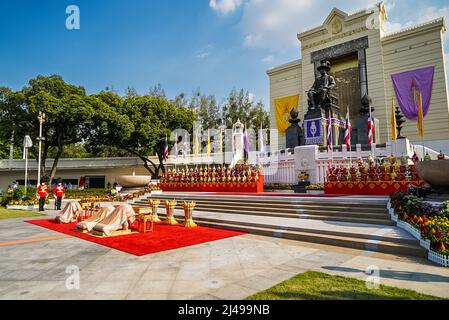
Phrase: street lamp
(41,119)
(27,143)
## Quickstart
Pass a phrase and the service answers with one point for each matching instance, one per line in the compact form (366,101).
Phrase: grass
(13,214)
(320,286)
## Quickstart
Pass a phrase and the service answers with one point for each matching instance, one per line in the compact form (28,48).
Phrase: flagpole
(350,139)
(421,112)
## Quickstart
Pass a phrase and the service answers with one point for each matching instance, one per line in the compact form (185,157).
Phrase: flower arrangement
(315,187)
(278,187)
(432,221)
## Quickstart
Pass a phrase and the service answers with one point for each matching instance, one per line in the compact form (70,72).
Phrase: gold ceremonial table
(143,216)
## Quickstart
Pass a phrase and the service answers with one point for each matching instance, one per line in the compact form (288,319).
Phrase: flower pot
(154,204)
(188,212)
(169,207)
(19,207)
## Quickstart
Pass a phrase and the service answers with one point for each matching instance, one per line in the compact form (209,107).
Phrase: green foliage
(445,209)
(239,106)
(104,124)
(17,194)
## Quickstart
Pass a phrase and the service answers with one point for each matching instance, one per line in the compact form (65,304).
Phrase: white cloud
(268,59)
(275,24)
(225,6)
(202,55)
(418,16)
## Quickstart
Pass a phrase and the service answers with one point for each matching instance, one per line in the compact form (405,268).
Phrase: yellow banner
(420,116)
(282,108)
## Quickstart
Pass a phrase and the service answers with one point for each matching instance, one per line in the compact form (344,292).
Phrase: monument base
(301,187)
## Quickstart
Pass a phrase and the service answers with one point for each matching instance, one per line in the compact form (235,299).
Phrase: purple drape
(403,83)
(246,140)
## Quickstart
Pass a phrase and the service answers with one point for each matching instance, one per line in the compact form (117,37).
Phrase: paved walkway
(33,264)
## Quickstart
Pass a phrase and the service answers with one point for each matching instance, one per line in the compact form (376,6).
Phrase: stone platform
(353,222)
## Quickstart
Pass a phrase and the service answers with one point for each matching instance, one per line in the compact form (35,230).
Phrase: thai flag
(348,131)
(330,144)
(371,128)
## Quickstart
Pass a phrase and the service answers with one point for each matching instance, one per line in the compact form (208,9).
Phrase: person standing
(59,192)
(42,191)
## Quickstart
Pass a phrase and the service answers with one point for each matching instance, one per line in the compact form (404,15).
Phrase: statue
(319,94)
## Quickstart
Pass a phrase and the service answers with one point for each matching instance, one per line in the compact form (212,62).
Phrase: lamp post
(41,119)
(27,143)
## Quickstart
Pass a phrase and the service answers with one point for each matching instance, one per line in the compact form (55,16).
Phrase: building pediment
(335,21)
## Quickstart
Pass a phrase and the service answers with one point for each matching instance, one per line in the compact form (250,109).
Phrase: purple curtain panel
(404,83)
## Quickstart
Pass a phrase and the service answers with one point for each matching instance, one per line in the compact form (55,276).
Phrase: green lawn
(320,286)
(12,214)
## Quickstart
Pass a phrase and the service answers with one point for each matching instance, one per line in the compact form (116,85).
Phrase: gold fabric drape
(283,107)
(90,223)
(70,212)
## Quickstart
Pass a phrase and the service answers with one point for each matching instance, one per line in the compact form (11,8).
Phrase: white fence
(284,167)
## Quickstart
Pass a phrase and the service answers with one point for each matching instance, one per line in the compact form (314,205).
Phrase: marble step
(369,242)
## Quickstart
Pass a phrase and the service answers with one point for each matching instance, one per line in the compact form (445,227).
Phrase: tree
(131,92)
(66,109)
(239,106)
(13,121)
(137,125)
(157,91)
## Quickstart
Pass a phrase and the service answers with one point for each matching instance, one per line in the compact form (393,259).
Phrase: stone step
(287,206)
(379,221)
(382,244)
(365,218)
(326,202)
(294,210)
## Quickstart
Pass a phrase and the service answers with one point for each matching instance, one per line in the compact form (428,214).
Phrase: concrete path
(34,261)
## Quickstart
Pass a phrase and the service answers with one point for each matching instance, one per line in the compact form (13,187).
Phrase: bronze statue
(319,94)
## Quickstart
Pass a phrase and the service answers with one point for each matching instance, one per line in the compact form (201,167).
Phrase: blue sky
(214,45)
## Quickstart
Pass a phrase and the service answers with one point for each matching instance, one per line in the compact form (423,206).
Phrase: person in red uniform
(59,192)
(42,191)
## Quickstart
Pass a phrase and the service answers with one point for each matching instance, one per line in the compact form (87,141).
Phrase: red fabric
(59,191)
(375,188)
(42,191)
(276,194)
(163,238)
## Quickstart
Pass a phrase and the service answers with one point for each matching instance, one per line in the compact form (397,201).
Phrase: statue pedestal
(313,129)
(301,186)
(362,130)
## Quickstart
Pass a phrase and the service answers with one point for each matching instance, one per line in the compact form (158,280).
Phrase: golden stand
(169,207)
(154,204)
(188,211)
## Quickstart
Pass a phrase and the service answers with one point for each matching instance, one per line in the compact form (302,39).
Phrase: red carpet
(162,239)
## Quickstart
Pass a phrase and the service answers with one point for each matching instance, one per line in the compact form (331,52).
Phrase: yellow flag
(283,107)
(221,140)
(208,142)
(394,125)
(420,116)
